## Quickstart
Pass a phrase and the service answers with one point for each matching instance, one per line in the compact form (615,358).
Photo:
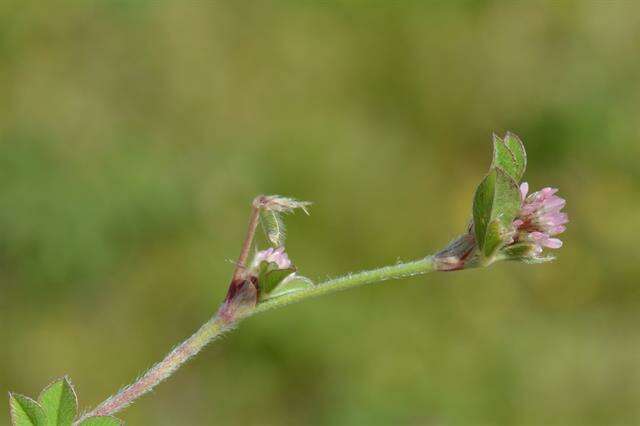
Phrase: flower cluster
(540,219)
(538,223)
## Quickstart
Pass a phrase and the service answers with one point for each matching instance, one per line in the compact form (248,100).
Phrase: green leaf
(296,283)
(516,147)
(503,158)
(102,421)
(60,403)
(25,411)
(273,227)
(497,199)
(483,205)
(509,155)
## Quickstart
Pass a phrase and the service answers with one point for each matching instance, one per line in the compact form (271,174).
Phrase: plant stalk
(246,245)
(216,326)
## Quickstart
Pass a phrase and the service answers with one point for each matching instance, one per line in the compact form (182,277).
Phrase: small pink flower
(271,255)
(540,218)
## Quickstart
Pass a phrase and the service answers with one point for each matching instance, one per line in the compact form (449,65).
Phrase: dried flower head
(271,208)
(280,204)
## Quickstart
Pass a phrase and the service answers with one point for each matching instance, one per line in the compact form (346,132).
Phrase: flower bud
(459,254)
(242,296)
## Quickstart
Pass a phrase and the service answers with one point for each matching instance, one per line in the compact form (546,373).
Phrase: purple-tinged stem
(221,323)
(213,328)
(248,241)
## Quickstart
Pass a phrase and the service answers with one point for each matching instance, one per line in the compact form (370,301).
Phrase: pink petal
(555,230)
(548,192)
(524,190)
(271,255)
(553,243)
(538,236)
(554,202)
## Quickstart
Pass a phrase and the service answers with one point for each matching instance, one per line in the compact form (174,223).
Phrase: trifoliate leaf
(25,411)
(59,402)
(273,227)
(102,421)
(290,285)
(497,198)
(516,147)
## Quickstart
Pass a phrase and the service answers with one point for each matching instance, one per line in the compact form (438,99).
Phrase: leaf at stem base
(59,402)
(25,411)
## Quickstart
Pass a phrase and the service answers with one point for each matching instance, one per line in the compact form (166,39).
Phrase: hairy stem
(217,326)
(400,270)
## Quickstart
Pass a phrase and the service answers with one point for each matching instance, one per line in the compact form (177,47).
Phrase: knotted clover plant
(506,224)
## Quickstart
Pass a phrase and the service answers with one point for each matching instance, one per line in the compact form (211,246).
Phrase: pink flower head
(540,218)
(271,255)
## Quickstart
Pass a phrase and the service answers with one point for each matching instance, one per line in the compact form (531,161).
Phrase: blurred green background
(135,134)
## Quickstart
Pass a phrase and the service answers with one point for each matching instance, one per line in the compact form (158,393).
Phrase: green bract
(275,282)
(270,276)
(291,284)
